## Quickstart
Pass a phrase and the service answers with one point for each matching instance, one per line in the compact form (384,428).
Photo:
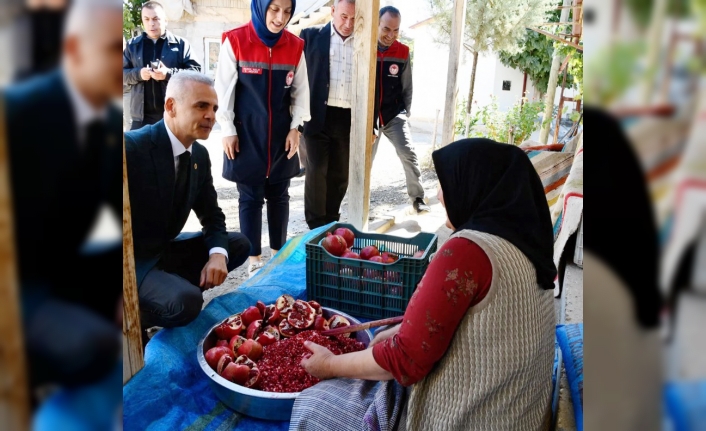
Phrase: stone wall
(213,17)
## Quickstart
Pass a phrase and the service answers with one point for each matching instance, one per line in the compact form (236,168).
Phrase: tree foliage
(132,17)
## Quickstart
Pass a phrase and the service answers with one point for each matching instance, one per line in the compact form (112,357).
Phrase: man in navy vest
(329,58)
(393,101)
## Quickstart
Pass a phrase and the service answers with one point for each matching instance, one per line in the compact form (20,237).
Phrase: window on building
(212,48)
(506,85)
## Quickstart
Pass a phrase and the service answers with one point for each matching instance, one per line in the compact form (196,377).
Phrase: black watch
(300,128)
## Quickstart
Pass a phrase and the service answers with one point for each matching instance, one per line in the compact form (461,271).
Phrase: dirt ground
(388,193)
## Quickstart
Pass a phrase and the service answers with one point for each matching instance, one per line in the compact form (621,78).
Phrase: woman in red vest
(263,93)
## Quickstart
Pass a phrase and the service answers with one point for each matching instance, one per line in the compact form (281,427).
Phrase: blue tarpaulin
(171,392)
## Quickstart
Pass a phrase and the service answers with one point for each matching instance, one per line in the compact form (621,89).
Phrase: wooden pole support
(364,61)
(457,24)
(133,359)
(14,390)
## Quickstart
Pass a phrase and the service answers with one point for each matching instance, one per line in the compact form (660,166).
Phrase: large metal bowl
(251,402)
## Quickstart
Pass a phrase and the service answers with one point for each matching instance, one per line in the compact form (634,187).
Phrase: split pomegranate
(286,330)
(231,327)
(253,328)
(213,355)
(223,362)
(284,304)
(317,307)
(334,244)
(272,314)
(254,374)
(235,344)
(302,315)
(261,306)
(367,252)
(346,234)
(337,321)
(250,348)
(321,324)
(250,315)
(268,336)
(236,373)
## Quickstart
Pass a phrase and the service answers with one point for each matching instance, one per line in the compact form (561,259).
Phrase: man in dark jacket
(169,174)
(393,101)
(149,61)
(329,52)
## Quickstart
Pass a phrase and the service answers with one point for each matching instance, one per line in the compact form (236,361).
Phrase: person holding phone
(149,60)
(263,93)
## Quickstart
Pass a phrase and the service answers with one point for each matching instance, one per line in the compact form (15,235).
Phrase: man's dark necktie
(180,190)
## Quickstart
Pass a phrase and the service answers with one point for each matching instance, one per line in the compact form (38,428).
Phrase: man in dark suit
(329,58)
(169,174)
(64,142)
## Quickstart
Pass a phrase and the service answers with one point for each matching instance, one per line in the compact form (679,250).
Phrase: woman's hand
(292,143)
(384,335)
(231,145)
(318,364)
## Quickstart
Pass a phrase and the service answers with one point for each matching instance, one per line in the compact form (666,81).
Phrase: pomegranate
(269,335)
(272,314)
(321,324)
(235,344)
(350,255)
(261,306)
(231,327)
(286,330)
(236,373)
(214,354)
(250,315)
(317,307)
(302,315)
(254,374)
(346,234)
(367,252)
(337,321)
(389,257)
(418,254)
(334,244)
(223,362)
(222,343)
(376,259)
(253,328)
(250,348)
(284,304)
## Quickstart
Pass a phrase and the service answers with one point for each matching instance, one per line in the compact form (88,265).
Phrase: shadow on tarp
(171,392)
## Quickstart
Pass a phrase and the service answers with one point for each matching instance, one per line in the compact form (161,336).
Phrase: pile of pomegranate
(261,348)
(340,242)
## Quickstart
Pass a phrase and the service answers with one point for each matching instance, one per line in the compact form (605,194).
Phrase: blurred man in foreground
(64,139)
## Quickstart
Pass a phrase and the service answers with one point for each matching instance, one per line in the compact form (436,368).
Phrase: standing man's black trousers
(327,168)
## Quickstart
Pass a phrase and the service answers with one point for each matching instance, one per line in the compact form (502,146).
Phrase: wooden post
(364,61)
(457,24)
(561,107)
(14,390)
(133,359)
(436,125)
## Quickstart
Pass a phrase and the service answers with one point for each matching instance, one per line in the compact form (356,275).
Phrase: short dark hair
(391,10)
(152,5)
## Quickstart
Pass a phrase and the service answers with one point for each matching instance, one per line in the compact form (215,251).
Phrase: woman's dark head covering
(623,228)
(258,9)
(493,188)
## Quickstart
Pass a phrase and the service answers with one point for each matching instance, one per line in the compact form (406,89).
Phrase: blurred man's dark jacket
(59,184)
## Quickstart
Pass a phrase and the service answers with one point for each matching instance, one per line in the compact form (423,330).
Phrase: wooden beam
(557,38)
(457,24)
(133,359)
(362,107)
(14,390)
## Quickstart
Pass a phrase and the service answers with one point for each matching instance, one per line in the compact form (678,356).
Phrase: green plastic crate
(362,288)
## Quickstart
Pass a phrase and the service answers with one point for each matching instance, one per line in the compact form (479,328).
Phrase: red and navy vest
(388,85)
(262,101)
